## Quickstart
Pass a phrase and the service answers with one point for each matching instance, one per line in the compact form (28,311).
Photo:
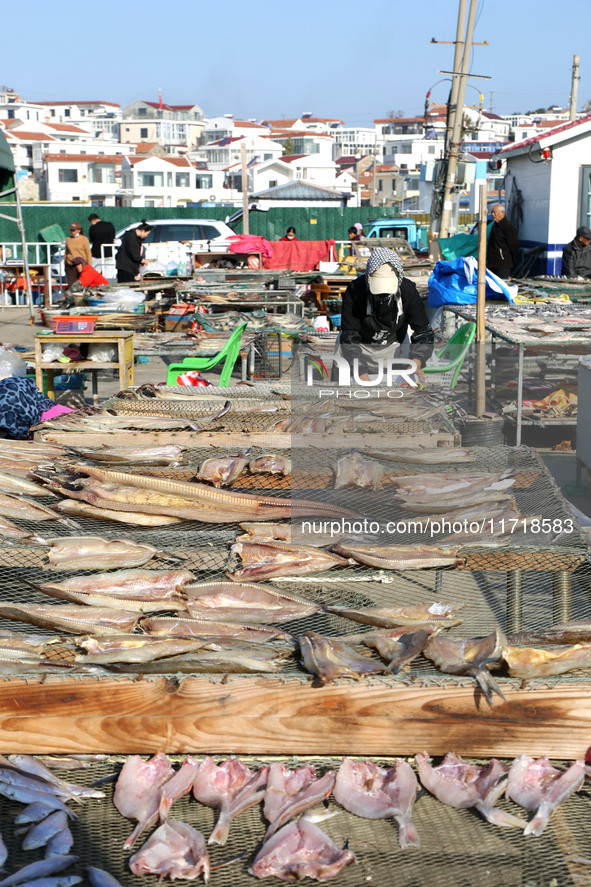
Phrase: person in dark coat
(100,233)
(130,255)
(378,307)
(576,255)
(503,244)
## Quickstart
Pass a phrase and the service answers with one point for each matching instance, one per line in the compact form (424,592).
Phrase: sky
(355,61)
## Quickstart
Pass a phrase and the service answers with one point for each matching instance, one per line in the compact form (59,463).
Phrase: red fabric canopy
(300,255)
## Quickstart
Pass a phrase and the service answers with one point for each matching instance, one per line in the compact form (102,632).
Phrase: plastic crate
(74,324)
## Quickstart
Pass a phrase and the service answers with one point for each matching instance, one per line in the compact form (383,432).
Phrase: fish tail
(222,828)
(408,835)
(537,825)
(134,835)
(499,817)
(488,685)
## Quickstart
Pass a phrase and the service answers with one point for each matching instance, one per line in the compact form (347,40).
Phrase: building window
(272,183)
(67,175)
(67,112)
(142,112)
(169,180)
(151,180)
(204,182)
(10,114)
(431,149)
(143,132)
(52,112)
(183,180)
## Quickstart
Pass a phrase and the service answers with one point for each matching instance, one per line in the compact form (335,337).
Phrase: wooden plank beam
(274,715)
(279,440)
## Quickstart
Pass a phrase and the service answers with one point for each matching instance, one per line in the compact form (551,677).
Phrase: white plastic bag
(102,353)
(52,352)
(11,364)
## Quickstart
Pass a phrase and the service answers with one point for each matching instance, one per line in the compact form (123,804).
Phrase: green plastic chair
(229,354)
(451,357)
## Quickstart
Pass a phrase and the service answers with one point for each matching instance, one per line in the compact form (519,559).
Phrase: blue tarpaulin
(454,283)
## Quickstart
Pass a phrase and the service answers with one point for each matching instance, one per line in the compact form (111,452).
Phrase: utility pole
(245,227)
(456,135)
(574,89)
(453,95)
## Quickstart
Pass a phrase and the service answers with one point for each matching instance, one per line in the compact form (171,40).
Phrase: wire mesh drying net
(458,848)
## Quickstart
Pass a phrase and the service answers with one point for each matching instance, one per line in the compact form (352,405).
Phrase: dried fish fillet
(355,470)
(468,657)
(78,552)
(329,659)
(73,619)
(222,471)
(532,662)
(400,557)
(77,508)
(264,560)
(419,615)
(241,602)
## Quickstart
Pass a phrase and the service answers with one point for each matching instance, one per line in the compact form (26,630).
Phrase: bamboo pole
(480,299)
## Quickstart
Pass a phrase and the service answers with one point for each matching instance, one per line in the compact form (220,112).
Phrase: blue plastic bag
(454,283)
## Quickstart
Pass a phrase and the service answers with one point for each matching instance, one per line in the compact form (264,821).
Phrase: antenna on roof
(160,98)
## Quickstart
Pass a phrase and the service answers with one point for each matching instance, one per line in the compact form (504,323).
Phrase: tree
(288,146)
(392,115)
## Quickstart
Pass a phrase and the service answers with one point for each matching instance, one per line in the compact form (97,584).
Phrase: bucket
(481,431)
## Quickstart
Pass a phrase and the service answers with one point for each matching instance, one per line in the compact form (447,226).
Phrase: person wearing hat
(87,275)
(76,245)
(576,255)
(378,308)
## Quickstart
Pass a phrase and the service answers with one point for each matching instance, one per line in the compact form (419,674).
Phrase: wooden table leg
(50,389)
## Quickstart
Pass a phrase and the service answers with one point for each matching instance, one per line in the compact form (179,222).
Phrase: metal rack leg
(514,600)
(562,596)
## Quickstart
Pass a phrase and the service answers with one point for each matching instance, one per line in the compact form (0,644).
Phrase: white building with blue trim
(549,175)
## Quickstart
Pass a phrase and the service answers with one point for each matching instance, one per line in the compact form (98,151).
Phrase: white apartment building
(217,128)
(408,153)
(353,141)
(100,118)
(173,126)
(82,178)
(227,151)
(167,181)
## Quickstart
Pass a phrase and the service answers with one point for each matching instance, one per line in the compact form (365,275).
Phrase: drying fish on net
(470,656)
(104,421)
(230,787)
(400,557)
(374,792)
(329,659)
(438,503)
(222,471)
(24,509)
(19,486)
(92,552)
(73,619)
(159,584)
(163,455)
(31,449)
(428,616)
(290,792)
(145,603)
(215,658)
(13,533)
(400,651)
(533,662)
(179,626)
(423,456)
(100,878)
(266,560)
(175,850)
(240,602)
(230,506)
(78,508)
(21,466)
(443,483)
(355,470)
(270,463)
(540,788)
(118,649)
(141,785)
(460,784)
(267,531)
(300,850)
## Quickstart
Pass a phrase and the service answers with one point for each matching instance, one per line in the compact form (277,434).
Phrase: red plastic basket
(72,324)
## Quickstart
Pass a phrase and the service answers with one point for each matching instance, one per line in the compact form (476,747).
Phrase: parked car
(204,235)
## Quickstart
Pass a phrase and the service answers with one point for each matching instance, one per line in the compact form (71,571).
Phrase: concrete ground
(16,329)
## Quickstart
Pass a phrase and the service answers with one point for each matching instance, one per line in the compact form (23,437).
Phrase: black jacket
(354,315)
(576,259)
(130,253)
(99,233)
(503,244)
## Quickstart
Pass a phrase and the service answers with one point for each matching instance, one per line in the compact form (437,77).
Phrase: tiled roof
(551,132)
(31,136)
(249,124)
(400,120)
(166,107)
(145,147)
(299,133)
(287,158)
(93,158)
(66,127)
(227,140)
